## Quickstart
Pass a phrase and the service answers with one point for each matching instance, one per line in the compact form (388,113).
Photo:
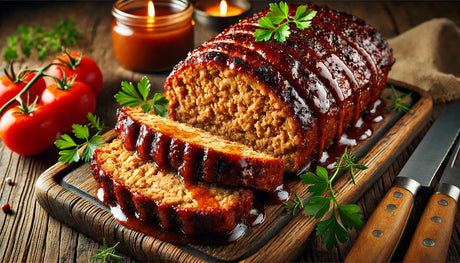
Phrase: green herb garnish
(398,104)
(276,22)
(107,252)
(69,148)
(129,96)
(61,34)
(332,229)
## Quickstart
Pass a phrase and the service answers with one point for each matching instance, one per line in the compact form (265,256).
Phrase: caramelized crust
(196,154)
(321,80)
(162,197)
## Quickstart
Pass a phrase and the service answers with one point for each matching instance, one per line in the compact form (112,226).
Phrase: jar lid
(180,10)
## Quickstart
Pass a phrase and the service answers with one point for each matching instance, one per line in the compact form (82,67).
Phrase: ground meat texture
(156,196)
(291,100)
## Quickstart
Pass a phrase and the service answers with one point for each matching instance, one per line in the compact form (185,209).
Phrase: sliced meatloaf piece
(196,154)
(155,196)
(291,100)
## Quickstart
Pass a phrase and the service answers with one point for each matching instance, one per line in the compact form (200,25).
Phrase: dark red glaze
(287,60)
(339,55)
(364,38)
(145,214)
(170,149)
(225,55)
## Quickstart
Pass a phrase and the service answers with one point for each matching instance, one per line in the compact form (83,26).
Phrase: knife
(434,230)
(382,232)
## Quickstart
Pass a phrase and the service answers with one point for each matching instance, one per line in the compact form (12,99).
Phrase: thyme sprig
(398,103)
(343,217)
(276,22)
(107,253)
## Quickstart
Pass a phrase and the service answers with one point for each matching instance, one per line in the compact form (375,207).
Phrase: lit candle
(223,9)
(218,15)
(149,36)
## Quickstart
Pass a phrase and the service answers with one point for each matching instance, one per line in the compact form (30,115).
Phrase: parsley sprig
(61,34)
(69,149)
(107,252)
(343,217)
(276,22)
(129,96)
(398,103)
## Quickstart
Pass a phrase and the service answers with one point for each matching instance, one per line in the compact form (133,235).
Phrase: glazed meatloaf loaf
(291,100)
(196,154)
(141,189)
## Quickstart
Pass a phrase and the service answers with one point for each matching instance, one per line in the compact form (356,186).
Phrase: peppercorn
(9,181)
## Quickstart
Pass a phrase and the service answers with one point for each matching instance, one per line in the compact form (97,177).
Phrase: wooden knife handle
(434,230)
(382,232)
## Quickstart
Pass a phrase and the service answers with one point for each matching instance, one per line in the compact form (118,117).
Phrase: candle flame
(151,9)
(223,7)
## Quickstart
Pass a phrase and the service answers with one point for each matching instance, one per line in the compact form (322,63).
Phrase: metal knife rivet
(392,206)
(429,242)
(443,202)
(377,233)
(436,219)
(397,194)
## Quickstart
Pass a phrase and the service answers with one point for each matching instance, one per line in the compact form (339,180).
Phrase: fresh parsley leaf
(107,253)
(318,183)
(319,205)
(332,231)
(129,96)
(95,122)
(65,142)
(60,35)
(276,22)
(69,148)
(69,155)
(398,103)
(80,131)
(350,217)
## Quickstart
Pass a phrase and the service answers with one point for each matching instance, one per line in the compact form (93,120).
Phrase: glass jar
(151,43)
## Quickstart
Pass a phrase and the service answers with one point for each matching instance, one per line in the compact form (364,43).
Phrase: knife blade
(382,232)
(432,236)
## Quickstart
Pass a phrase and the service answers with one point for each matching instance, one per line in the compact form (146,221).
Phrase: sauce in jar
(151,42)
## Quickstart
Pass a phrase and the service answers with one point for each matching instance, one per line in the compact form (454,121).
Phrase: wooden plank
(68,193)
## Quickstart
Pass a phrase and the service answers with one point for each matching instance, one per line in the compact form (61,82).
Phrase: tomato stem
(73,62)
(39,74)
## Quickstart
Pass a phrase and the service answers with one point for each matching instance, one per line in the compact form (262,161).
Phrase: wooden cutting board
(68,192)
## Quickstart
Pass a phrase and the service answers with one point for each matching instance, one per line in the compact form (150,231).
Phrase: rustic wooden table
(30,234)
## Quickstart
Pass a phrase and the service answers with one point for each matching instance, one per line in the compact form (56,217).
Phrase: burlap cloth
(428,56)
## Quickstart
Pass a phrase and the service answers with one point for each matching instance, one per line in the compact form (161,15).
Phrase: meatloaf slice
(235,93)
(196,154)
(155,196)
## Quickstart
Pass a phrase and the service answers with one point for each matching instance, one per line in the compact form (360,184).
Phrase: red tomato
(71,105)
(10,88)
(85,69)
(28,133)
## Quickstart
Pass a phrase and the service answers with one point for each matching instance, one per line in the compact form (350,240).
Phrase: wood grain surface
(30,234)
(69,193)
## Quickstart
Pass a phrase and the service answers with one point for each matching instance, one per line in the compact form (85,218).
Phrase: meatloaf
(196,154)
(292,99)
(142,190)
